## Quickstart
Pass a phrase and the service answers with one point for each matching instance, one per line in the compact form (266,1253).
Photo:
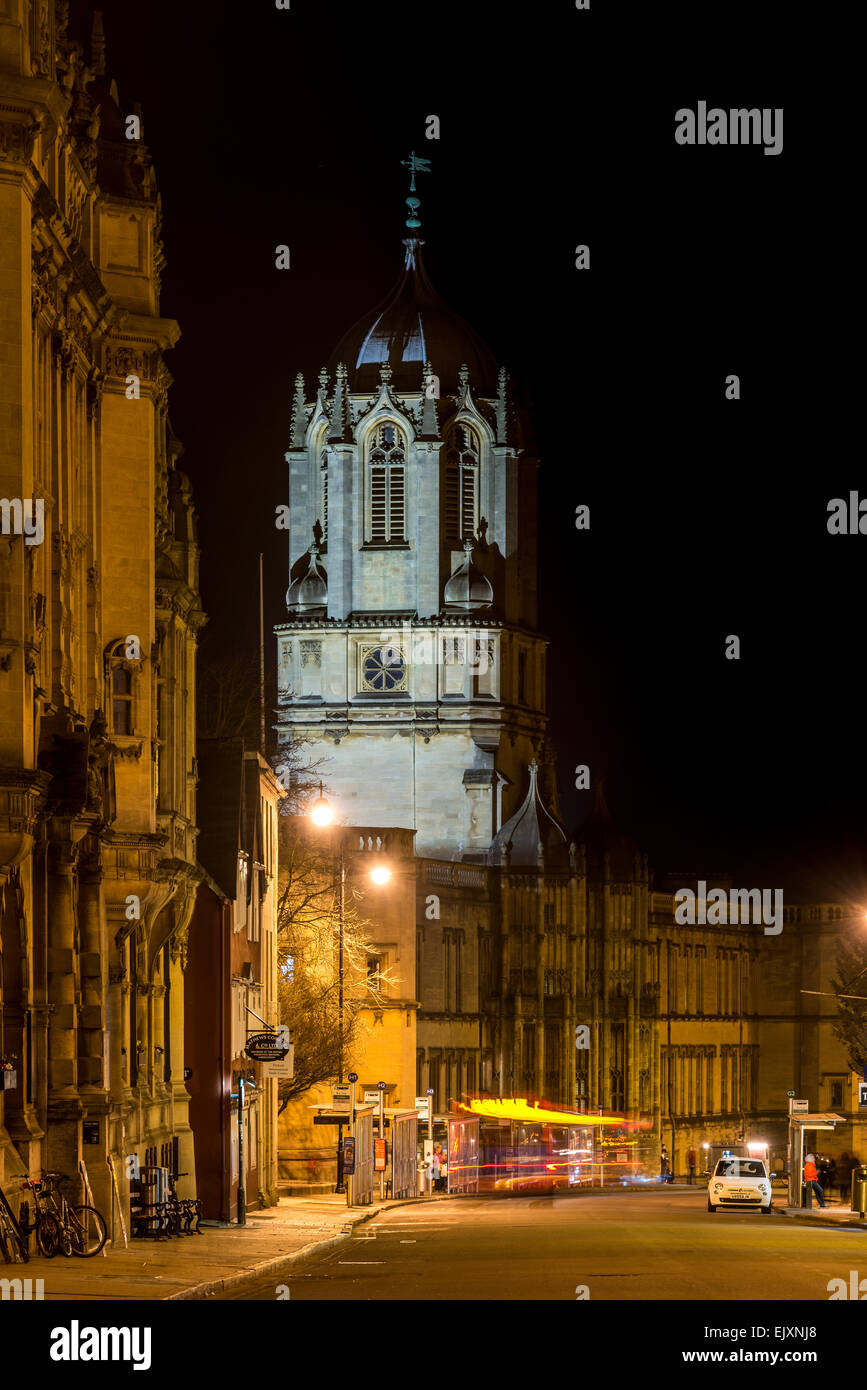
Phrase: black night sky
(708,516)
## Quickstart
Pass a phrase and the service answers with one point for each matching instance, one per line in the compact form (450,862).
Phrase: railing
(456,875)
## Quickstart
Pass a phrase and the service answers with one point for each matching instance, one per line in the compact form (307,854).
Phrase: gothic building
(98,628)
(412,666)
(410,662)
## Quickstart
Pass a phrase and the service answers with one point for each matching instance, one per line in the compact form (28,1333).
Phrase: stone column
(64,1110)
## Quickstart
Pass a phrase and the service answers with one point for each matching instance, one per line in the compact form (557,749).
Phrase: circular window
(384,669)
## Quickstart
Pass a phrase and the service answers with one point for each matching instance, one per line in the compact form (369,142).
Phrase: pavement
(225,1259)
(200,1266)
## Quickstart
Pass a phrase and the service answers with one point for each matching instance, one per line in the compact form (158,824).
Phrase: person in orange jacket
(811,1178)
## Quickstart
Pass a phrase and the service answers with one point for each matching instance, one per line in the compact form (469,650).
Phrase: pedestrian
(440,1169)
(811,1179)
(691,1160)
(830,1178)
(844,1175)
(663,1164)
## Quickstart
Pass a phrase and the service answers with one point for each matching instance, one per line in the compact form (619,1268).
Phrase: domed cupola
(309,591)
(468,589)
(531,835)
(411,327)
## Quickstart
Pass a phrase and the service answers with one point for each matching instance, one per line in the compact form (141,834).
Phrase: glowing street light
(381,874)
(321,813)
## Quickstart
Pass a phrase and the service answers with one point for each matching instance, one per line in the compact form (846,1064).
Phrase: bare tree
(851,1025)
(308,928)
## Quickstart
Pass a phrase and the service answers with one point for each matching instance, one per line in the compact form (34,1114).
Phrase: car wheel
(767,1209)
(710,1205)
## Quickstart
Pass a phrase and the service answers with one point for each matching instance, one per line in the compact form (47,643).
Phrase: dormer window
(386,486)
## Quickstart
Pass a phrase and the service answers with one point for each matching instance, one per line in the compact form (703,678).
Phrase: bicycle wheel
(88,1230)
(12,1242)
(47,1234)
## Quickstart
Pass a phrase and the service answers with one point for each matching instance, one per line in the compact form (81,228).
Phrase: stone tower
(410,660)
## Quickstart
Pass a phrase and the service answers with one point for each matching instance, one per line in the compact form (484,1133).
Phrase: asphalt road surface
(624,1246)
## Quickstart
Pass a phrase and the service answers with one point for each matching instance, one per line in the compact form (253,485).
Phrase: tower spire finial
(416,165)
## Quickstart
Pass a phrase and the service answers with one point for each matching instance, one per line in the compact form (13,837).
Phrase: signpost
(800,1107)
(341,1096)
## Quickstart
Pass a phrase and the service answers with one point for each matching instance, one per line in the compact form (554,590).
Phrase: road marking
(361,1262)
(408,1242)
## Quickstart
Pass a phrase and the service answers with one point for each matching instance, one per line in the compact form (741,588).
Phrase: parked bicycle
(73,1230)
(13,1241)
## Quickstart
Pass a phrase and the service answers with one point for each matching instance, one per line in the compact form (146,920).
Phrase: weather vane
(417,166)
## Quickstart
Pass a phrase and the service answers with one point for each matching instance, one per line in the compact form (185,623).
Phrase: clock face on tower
(384,669)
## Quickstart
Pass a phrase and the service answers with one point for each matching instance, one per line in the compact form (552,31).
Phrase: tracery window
(463,460)
(386,486)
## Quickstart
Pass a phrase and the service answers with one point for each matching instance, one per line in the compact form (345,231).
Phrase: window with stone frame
(120,688)
(462,476)
(386,458)
(323,499)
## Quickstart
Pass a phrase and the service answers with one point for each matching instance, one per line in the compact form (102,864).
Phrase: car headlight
(717,1187)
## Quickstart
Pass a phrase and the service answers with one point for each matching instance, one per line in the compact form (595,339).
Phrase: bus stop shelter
(798,1126)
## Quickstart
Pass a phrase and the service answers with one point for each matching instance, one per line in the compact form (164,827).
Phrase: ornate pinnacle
(502,409)
(385,373)
(299,414)
(337,433)
(97,45)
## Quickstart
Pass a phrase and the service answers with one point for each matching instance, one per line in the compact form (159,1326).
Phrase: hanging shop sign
(265,1047)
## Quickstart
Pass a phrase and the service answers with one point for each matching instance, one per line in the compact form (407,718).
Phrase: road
(625,1246)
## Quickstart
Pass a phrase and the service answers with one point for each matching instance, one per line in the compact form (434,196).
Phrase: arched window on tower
(386,486)
(120,688)
(463,462)
(323,498)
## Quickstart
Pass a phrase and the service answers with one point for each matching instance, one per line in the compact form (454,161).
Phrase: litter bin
(859,1190)
(806,1195)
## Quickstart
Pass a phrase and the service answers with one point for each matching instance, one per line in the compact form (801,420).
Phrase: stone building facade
(98,628)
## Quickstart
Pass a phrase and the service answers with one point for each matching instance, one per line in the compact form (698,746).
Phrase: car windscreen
(740,1168)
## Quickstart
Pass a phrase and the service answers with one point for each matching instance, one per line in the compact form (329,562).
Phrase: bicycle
(45,1223)
(83,1231)
(13,1242)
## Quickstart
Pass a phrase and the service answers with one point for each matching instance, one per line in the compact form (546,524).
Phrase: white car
(740,1182)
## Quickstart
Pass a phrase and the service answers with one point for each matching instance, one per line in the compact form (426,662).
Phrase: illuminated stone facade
(98,629)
